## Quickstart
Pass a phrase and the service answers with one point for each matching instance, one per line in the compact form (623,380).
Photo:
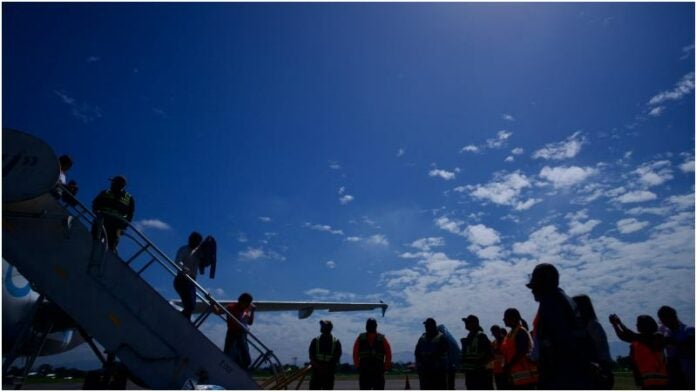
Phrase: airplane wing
(304,309)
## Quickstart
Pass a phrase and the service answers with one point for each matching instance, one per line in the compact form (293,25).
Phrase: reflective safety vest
(322,356)
(113,204)
(376,351)
(524,371)
(498,358)
(472,356)
(650,364)
(430,357)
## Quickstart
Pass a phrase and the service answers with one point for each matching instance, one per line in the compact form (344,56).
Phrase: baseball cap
(543,273)
(470,319)
(430,320)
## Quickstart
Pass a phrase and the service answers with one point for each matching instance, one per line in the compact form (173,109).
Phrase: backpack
(208,256)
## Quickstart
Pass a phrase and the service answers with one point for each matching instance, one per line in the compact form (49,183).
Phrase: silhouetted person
(563,360)
(236,344)
(431,357)
(519,369)
(602,375)
(649,365)
(501,379)
(114,208)
(476,354)
(188,258)
(679,347)
(371,356)
(324,355)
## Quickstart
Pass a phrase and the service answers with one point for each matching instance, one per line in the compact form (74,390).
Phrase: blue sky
(428,155)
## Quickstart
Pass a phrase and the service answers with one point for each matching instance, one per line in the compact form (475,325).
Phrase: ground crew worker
(324,355)
(679,349)
(520,371)
(501,381)
(476,355)
(114,208)
(649,365)
(431,357)
(563,343)
(371,356)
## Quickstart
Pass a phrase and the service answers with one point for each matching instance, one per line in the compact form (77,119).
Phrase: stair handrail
(266,354)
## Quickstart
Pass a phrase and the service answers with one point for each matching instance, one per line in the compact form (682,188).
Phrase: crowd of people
(566,348)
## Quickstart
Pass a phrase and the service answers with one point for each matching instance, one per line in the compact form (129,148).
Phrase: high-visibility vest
(471,356)
(429,352)
(650,364)
(524,371)
(322,356)
(114,204)
(376,351)
(498,358)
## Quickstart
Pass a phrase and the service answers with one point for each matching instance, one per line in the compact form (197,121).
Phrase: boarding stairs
(107,294)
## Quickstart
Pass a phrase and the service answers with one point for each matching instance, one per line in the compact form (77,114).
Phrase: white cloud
(687,51)
(510,158)
(579,228)
(83,111)
(656,111)
(469,148)
(444,174)
(325,294)
(499,141)
(92,59)
(568,148)
(252,253)
(378,239)
(156,224)
(504,190)
(446,224)
(517,151)
(630,225)
(400,152)
(353,239)
(564,177)
(325,228)
(345,199)
(331,264)
(508,117)
(544,243)
(334,165)
(341,190)
(264,219)
(654,173)
(636,197)
(425,244)
(481,235)
(687,167)
(683,87)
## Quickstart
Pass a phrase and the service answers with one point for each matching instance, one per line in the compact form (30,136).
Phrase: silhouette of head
(118,183)
(65,162)
(471,323)
(646,325)
(430,326)
(585,308)
(326,326)
(371,325)
(244,300)
(544,278)
(668,317)
(512,317)
(195,239)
